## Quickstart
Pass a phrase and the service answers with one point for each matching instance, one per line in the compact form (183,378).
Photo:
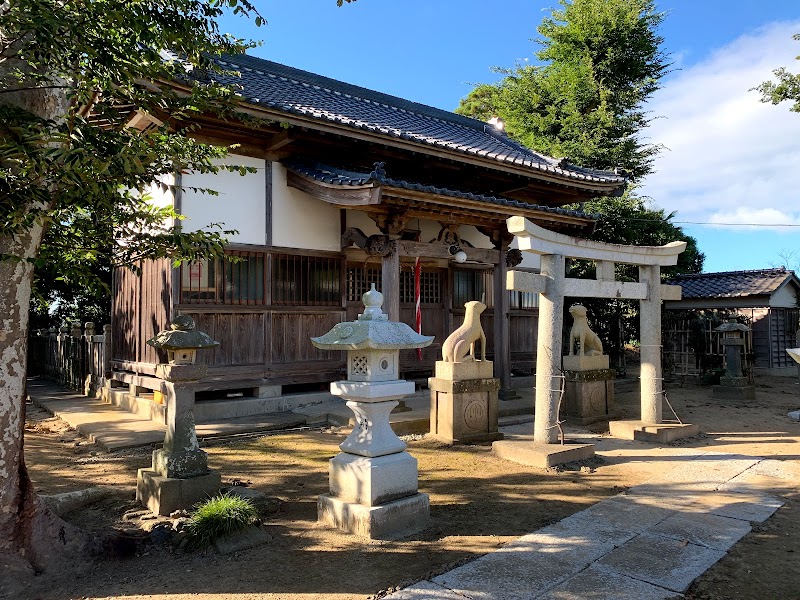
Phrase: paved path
(649,543)
(113,428)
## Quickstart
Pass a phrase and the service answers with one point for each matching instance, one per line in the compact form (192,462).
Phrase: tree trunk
(32,538)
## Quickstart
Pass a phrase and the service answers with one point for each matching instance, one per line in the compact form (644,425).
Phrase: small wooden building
(767,299)
(351,187)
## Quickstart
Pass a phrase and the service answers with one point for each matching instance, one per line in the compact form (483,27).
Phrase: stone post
(650,336)
(548,352)
(108,352)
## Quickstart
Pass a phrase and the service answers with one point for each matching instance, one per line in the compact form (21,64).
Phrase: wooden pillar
(548,355)
(390,283)
(502,344)
(650,337)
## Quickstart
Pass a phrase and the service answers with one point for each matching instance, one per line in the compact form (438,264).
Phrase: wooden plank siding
(263,340)
(140,309)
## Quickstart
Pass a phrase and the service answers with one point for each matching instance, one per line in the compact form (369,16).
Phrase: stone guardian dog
(588,342)
(456,345)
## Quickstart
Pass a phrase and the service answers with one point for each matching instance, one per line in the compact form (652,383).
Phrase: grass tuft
(219,516)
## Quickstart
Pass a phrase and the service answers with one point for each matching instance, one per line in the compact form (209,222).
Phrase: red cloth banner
(417,294)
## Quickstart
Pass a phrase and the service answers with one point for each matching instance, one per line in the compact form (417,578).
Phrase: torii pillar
(552,285)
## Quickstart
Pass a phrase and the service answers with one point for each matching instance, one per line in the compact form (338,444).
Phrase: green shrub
(219,516)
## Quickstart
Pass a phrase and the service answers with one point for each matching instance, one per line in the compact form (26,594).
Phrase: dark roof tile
(733,284)
(344,178)
(294,91)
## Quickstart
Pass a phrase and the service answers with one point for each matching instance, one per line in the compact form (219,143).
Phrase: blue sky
(729,160)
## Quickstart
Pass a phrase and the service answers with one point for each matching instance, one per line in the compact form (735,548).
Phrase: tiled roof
(733,284)
(344,178)
(297,92)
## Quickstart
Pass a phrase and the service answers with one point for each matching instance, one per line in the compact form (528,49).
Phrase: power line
(718,224)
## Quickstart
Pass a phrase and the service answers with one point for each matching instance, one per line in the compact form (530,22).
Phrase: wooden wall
(140,309)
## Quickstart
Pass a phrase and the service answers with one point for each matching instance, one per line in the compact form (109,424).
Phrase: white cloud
(765,218)
(729,158)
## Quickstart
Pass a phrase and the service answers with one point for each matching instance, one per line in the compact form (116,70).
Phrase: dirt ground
(478,503)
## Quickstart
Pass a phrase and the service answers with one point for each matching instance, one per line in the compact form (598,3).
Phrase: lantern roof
(373,330)
(182,335)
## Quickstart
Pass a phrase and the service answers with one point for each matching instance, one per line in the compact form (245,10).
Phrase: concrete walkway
(114,428)
(649,543)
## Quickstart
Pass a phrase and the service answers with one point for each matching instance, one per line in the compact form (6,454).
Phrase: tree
(787,86)
(601,61)
(74,173)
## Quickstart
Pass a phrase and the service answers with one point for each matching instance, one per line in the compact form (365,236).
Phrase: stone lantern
(373,481)
(182,341)
(179,476)
(733,384)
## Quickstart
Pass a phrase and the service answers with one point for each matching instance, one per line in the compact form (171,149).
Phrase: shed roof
(734,284)
(295,92)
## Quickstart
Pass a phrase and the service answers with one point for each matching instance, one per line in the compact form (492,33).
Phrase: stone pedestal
(655,433)
(464,410)
(535,454)
(588,395)
(179,476)
(373,482)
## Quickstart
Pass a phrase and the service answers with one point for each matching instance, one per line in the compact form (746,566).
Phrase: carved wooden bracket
(373,245)
(392,223)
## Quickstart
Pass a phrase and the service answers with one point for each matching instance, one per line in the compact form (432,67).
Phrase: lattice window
(430,284)
(360,365)
(523,300)
(359,280)
(219,281)
(306,280)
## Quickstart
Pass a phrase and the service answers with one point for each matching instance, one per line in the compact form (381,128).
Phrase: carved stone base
(373,481)
(464,412)
(589,396)
(459,371)
(585,363)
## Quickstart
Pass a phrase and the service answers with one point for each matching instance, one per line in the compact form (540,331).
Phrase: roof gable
(734,284)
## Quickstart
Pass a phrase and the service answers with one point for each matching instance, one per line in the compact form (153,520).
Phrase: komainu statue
(588,342)
(462,339)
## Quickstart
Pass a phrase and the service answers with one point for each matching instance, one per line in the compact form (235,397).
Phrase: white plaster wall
(529,259)
(160,197)
(785,296)
(360,220)
(241,203)
(301,221)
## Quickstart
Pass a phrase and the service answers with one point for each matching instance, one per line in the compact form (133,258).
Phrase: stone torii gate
(552,285)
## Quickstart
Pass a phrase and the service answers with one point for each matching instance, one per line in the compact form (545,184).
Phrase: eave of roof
(349,179)
(289,91)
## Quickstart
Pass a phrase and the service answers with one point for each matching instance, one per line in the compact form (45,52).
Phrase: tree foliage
(601,60)
(787,86)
